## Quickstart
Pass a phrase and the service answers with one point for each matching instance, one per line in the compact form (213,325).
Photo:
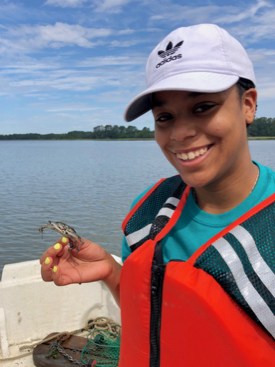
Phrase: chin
(195,182)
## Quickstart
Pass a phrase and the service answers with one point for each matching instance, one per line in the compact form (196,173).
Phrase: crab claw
(75,243)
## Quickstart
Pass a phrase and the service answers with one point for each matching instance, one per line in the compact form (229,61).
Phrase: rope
(97,323)
(15,357)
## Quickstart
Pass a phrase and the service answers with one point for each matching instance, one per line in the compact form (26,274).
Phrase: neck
(222,197)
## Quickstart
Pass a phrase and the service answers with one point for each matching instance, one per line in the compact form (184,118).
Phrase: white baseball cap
(201,58)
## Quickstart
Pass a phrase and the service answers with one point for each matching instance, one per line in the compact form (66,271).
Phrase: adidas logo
(170,50)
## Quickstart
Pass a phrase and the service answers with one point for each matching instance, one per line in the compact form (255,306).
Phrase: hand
(90,264)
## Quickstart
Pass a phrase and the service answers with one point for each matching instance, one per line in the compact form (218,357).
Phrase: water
(87,184)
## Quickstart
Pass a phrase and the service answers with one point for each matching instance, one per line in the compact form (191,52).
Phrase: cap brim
(194,82)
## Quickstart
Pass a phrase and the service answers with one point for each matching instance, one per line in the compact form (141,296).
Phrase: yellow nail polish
(64,239)
(57,246)
(55,269)
(47,261)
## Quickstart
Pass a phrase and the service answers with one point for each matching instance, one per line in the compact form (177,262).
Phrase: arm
(91,263)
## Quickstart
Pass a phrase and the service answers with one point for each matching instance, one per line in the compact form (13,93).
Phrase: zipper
(158,271)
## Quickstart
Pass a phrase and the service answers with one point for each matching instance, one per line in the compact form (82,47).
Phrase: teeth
(184,156)
(192,155)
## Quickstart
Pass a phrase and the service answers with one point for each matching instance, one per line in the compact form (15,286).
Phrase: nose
(183,129)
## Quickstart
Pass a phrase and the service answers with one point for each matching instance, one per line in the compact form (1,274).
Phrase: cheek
(163,140)
(221,127)
(160,137)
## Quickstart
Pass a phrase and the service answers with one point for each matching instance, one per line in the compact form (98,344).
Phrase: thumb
(57,276)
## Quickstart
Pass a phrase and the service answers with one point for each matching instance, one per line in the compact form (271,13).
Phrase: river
(87,184)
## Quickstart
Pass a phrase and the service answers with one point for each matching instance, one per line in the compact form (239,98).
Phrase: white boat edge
(30,309)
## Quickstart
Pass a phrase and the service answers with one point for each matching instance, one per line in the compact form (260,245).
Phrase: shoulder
(266,180)
(146,206)
(140,196)
(266,171)
(169,184)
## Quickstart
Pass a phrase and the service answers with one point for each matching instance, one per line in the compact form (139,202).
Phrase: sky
(75,64)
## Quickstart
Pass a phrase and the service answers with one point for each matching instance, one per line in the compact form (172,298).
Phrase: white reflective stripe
(258,263)
(172,200)
(137,236)
(166,211)
(252,297)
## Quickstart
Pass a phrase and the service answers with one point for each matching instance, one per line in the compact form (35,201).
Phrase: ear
(250,105)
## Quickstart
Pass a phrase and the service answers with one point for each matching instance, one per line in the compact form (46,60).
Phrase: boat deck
(31,309)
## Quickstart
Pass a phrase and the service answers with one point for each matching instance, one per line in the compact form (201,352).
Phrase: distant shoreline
(125,139)
(262,128)
(122,139)
(261,137)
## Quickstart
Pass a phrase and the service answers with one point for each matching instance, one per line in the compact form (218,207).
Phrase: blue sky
(75,64)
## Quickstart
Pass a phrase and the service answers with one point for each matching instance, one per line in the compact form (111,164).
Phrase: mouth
(193,154)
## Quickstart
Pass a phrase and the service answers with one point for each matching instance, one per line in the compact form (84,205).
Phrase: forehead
(158,98)
(161,98)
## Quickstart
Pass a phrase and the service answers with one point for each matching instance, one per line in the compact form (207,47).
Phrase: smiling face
(204,135)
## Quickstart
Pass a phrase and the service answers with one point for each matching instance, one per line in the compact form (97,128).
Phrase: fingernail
(47,261)
(55,269)
(57,246)
(64,239)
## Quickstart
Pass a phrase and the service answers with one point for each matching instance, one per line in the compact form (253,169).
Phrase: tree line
(99,132)
(261,127)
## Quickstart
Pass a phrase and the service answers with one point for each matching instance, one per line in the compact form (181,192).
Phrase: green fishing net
(102,349)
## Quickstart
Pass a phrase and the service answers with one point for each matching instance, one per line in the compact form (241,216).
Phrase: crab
(66,231)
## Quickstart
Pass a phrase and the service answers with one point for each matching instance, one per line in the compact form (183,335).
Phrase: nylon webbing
(242,261)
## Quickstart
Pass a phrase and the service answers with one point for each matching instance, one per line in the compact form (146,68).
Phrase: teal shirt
(195,227)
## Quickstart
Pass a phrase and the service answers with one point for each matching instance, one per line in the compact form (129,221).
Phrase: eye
(203,107)
(163,118)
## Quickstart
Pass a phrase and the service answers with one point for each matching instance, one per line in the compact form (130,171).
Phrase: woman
(197,281)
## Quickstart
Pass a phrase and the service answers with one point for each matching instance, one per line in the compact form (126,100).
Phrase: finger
(55,250)
(64,240)
(57,277)
(60,245)
(51,262)
(46,269)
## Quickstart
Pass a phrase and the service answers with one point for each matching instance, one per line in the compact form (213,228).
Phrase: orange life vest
(215,309)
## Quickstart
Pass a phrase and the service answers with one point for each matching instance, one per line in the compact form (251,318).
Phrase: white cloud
(111,6)
(238,16)
(129,43)
(87,57)
(77,82)
(65,3)
(125,31)
(259,14)
(261,56)
(250,23)
(73,109)
(158,17)
(54,36)
(112,60)
(263,31)
(169,12)
(33,78)
(25,39)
